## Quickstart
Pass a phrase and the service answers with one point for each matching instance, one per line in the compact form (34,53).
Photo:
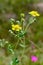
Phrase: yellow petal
(34,13)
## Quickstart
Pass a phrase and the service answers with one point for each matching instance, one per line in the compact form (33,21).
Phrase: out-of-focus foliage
(14,5)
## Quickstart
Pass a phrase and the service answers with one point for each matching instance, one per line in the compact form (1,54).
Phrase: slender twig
(36,46)
(27,27)
(17,44)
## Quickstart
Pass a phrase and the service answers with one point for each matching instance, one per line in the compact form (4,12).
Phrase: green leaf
(9,49)
(21,33)
(3,42)
(23,46)
(32,20)
(14,61)
(12,21)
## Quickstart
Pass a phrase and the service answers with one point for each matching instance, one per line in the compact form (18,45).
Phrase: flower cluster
(34,13)
(16,27)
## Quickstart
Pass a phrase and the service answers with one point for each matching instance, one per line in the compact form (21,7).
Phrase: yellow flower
(34,13)
(16,27)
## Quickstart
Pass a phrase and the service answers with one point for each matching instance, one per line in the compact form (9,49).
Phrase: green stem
(17,44)
(36,46)
(27,27)
(24,45)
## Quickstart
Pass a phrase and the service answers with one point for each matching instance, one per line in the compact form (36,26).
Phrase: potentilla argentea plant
(19,30)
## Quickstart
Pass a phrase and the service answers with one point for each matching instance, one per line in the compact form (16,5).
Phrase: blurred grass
(37,29)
